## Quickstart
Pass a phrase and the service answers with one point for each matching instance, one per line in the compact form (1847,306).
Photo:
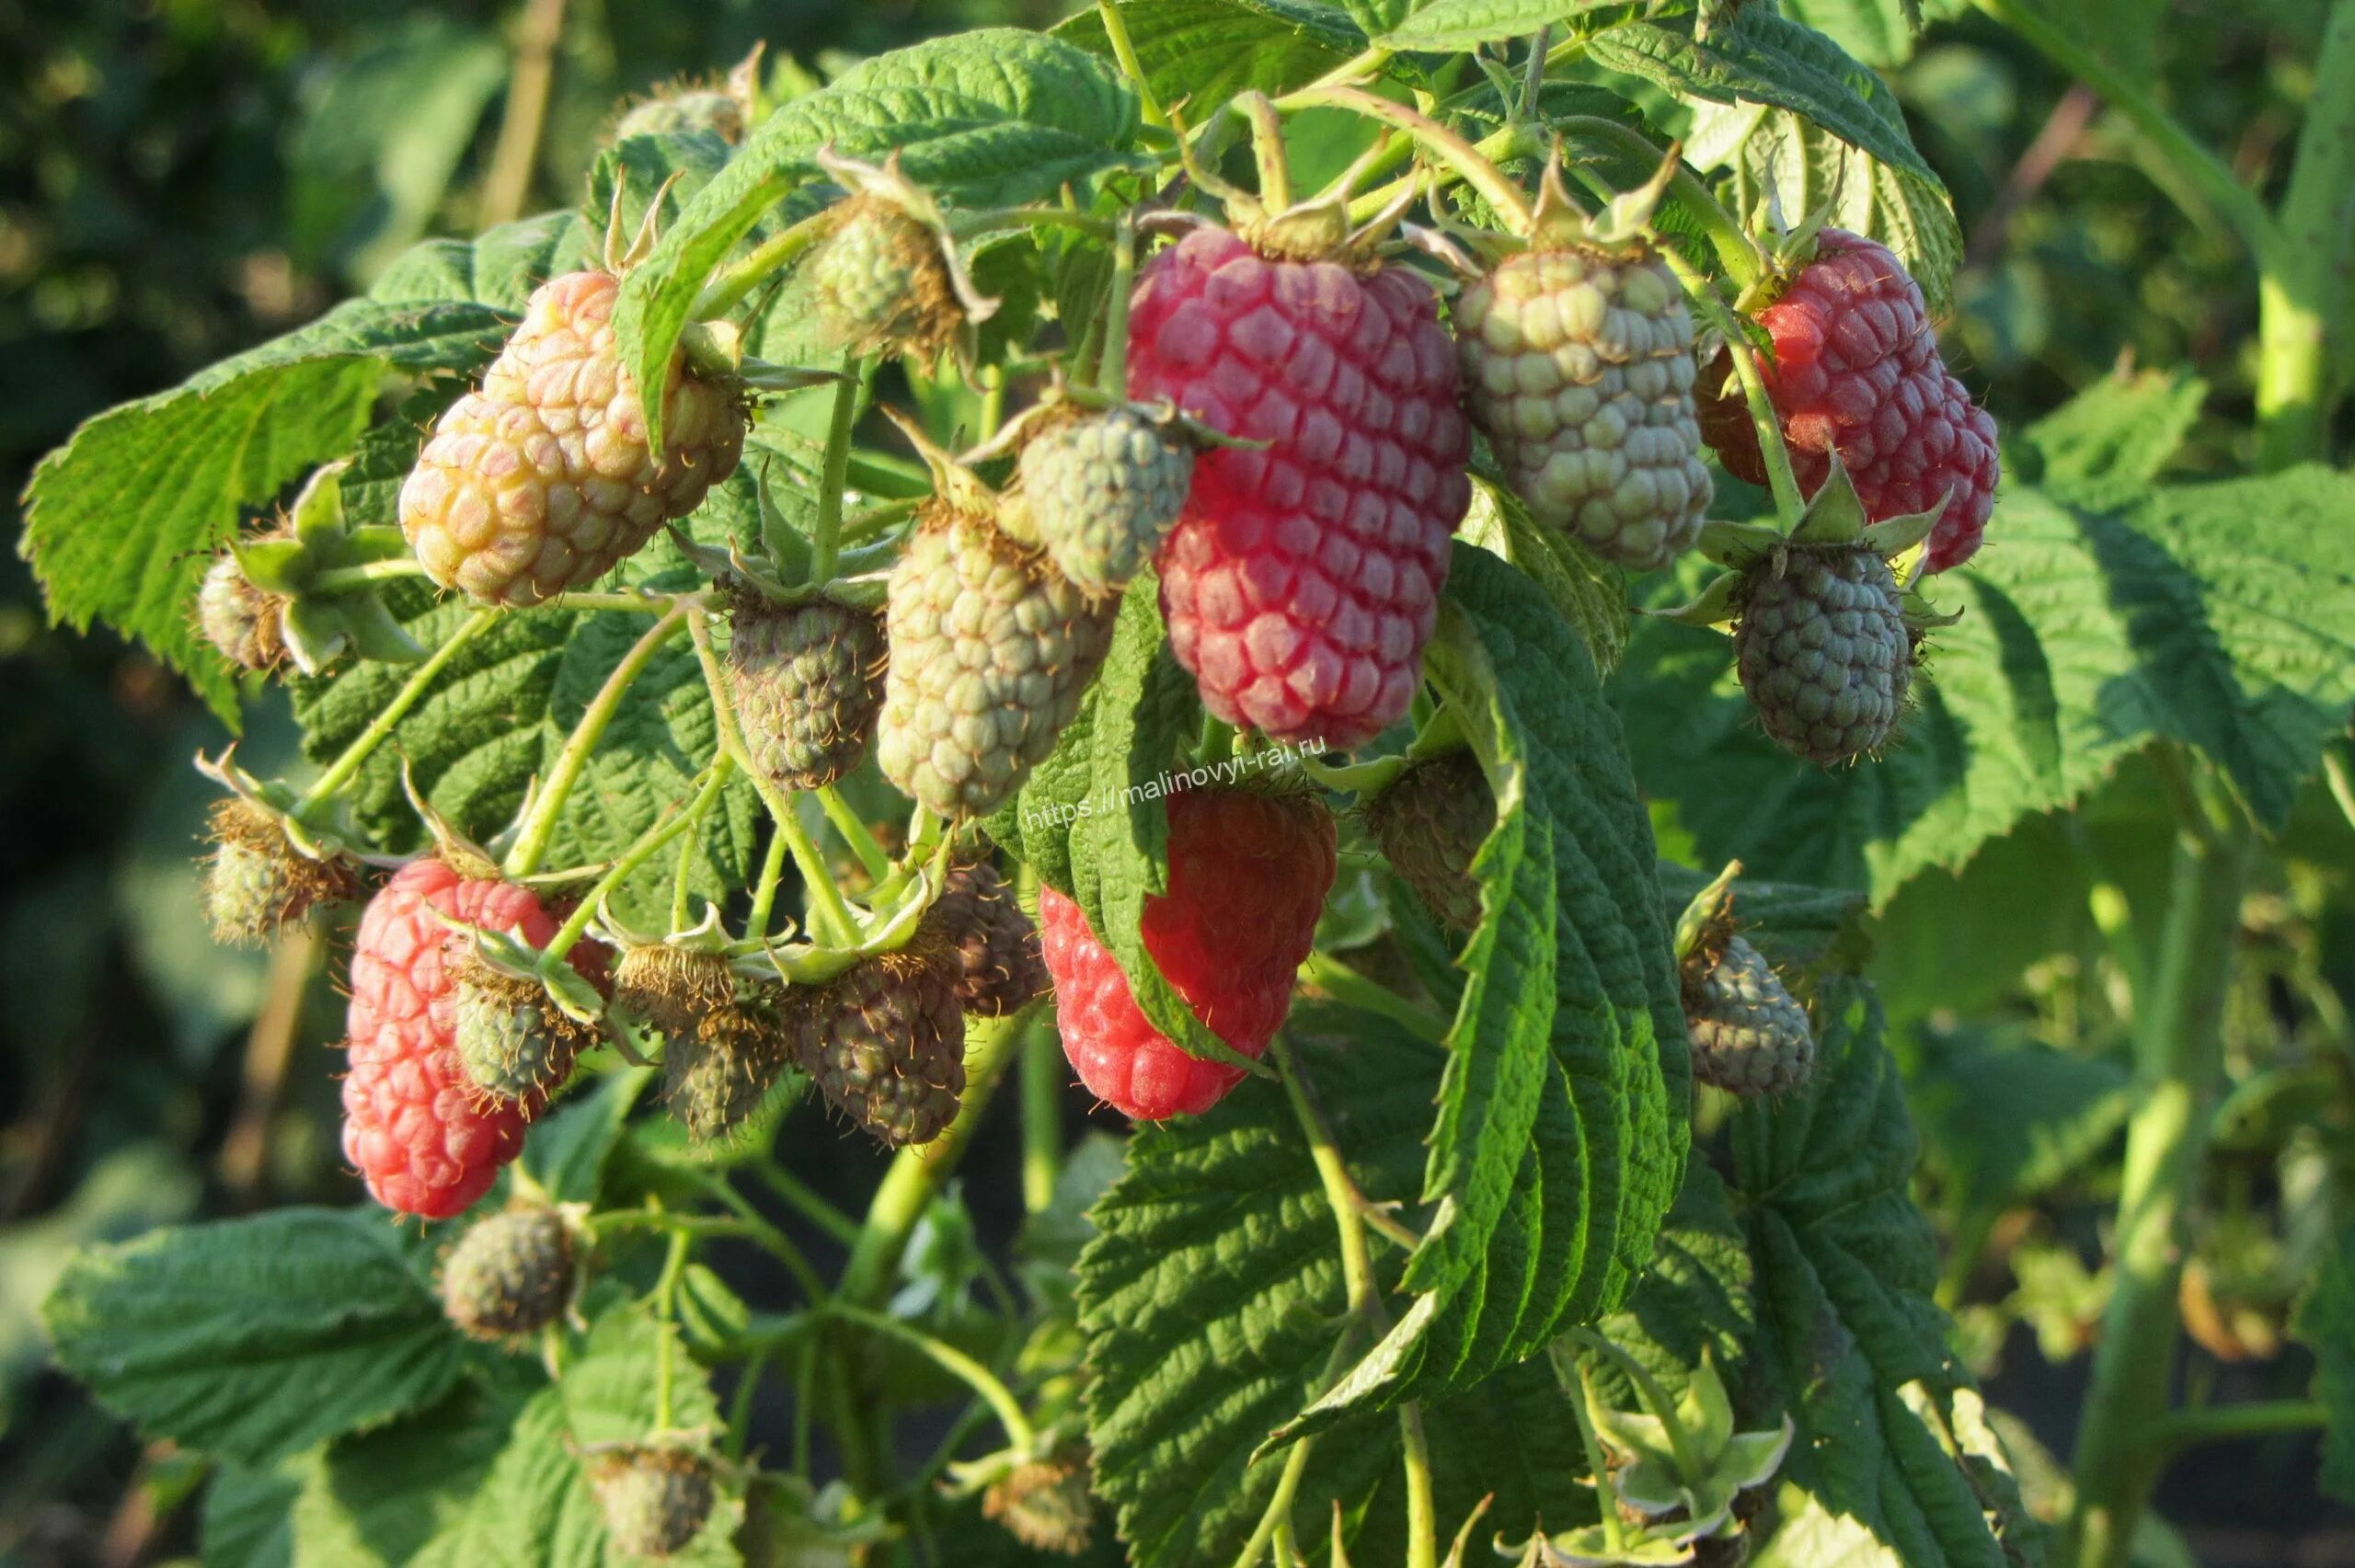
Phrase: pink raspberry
(1303,579)
(428,1142)
(1856,371)
(1247,876)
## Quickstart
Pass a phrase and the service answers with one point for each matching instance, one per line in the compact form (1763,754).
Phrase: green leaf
(565,1152)
(1698,1296)
(246,1521)
(1211,1297)
(1585,591)
(2325,1321)
(1764,58)
(2106,446)
(1447,25)
(1198,52)
(535,1508)
(2006,1116)
(502,711)
(1891,1461)
(374,1498)
(2213,614)
(120,522)
(1878,32)
(255,1338)
(987,117)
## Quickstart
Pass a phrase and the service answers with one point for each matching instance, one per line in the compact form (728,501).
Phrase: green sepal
(1716,606)
(317,512)
(314,634)
(374,631)
(274,564)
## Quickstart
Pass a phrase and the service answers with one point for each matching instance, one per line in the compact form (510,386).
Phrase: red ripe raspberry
(1856,371)
(1247,874)
(1303,578)
(426,1141)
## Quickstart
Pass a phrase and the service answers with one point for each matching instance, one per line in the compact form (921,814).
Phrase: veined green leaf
(372,1499)
(1761,58)
(536,1508)
(1203,52)
(1466,23)
(1878,32)
(1211,1297)
(983,118)
(255,1338)
(1892,1462)
(2214,614)
(2106,446)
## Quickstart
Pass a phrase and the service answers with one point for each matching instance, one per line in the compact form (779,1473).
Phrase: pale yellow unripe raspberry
(541,480)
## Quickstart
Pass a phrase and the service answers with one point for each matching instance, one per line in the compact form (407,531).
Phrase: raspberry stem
(1344,984)
(1124,49)
(531,838)
(736,282)
(1019,1433)
(856,833)
(1466,160)
(345,579)
(649,843)
(355,756)
(1113,370)
(1789,505)
(1736,251)
(756,922)
(825,543)
(1570,1372)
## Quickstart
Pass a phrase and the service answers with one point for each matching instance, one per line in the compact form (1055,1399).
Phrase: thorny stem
(825,542)
(355,756)
(828,910)
(1344,984)
(532,840)
(980,1378)
(2177,1028)
(1124,49)
(649,843)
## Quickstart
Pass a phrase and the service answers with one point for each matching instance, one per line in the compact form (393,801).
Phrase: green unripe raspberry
(978,919)
(1431,821)
(1750,1035)
(513,1043)
(655,1500)
(510,1275)
(885,1042)
(255,881)
(671,989)
(1578,364)
(805,680)
(716,1074)
(1823,652)
(990,649)
(879,283)
(1103,491)
(242,623)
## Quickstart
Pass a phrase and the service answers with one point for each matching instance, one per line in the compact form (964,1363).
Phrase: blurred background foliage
(180,178)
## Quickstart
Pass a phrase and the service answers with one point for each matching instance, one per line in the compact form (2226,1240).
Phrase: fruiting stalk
(355,756)
(1789,505)
(531,838)
(649,843)
(1344,984)
(1124,49)
(1112,371)
(666,1312)
(854,832)
(825,542)
(1462,156)
(344,580)
(756,921)
(1019,1433)
(734,283)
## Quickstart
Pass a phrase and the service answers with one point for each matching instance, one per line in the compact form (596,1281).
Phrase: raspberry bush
(1089,628)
